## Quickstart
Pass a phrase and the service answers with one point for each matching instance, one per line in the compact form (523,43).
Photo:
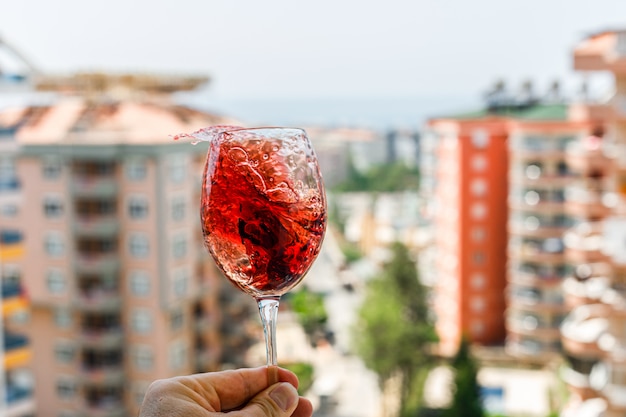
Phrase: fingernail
(284,395)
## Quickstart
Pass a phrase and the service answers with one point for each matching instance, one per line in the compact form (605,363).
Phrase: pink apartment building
(122,291)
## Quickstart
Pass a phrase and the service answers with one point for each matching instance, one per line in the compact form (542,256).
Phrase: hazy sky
(321,48)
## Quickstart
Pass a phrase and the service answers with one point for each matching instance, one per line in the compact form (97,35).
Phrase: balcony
(587,204)
(105,407)
(99,300)
(584,244)
(582,329)
(13,300)
(105,338)
(20,401)
(103,263)
(17,351)
(532,326)
(94,187)
(588,158)
(96,226)
(579,292)
(111,374)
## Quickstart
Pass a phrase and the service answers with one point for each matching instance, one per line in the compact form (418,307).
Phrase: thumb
(279,400)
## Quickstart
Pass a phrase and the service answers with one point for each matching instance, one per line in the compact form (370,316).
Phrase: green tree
(309,308)
(394,331)
(466,401)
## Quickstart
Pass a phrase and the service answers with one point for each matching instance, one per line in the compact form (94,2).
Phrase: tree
(394,331)
(466,401)
(310,310)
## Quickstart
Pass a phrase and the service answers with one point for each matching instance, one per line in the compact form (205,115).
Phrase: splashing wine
(263,212)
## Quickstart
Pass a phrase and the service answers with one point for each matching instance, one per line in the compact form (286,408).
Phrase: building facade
(121,289)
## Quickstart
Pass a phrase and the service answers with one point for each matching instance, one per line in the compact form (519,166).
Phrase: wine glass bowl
(263,212)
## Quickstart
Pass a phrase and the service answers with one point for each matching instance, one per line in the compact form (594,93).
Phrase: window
(138,245)
(56,281)
(138,207)
(51,168)
(478,304)
(478,258)
(479,187)
(143,358)
(181,280)
(177,319)
(53,243)
(179,246)
(140,283)
(179,207)
(178,353)
(9,210)
(64,352)
(53,207)
(478,327)
(136,169)
(478,234)
(479,211)
(66,388)
(62,317)
(479,163)
(141,321)
(177,168)
(478,281)
(480,138)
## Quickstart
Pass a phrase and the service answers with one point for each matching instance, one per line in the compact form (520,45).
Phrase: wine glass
(263,214)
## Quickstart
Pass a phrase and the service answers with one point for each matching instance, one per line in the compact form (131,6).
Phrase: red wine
(263,213)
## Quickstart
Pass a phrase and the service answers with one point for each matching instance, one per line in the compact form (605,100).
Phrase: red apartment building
(500,178)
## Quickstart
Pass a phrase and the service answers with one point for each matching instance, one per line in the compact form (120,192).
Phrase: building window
(177,168)
(62,317)
(478,304)
(480,138)
(52,207)
(479,211)
(138,207)
(141,321)
(478,258)
(177,319)
(53,243)
(140,283)
(479,163)
(478,281)
(179,246)
(478,327)
(139,391)
(136,169)
(478,234)
(179,207)
(66,388)
(138,245)
(64,352)
(51,168)
(56,281)
(9,210)
(181,280)
(178,353)
(143,358)
(479,187)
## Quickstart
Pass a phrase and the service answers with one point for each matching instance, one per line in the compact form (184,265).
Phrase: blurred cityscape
(518,228)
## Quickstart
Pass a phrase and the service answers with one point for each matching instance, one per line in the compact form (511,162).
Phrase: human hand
(240,393)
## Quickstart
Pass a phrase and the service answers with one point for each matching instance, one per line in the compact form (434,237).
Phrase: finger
(279,400)
(304,408)
(229,390)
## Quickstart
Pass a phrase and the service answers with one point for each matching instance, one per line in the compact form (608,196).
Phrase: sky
(315,49)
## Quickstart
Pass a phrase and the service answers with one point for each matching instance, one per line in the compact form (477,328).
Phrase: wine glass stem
(268,308)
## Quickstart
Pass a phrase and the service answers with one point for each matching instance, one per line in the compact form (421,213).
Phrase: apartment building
(499,216)
(16,382)
(469,227)
(121,289)
(593,333)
